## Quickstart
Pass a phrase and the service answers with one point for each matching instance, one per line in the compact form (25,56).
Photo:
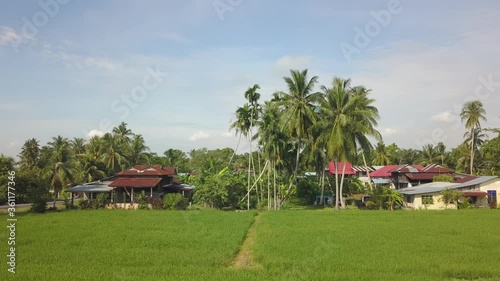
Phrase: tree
(472,113)
(137,152)
(59,169)
(450,196)
(299,112)
(176,158)
(123,134)
(429,155)
(6,164)
(350,118)
(77,146)
(113,153)
(380,155)
(443,178)
(30,154)
(242,125)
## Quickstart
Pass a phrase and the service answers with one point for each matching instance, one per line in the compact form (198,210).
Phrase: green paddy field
(283,245)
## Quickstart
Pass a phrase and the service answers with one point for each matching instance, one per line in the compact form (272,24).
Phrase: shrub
(101,200)
(464,204)
(39,205)
(370,205)
(174,201)
(156,203)
(84,204)
(142,200)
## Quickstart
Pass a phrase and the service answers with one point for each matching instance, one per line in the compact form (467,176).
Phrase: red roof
(474,193)
(148,170)
(423,176)
(384,172)
(465,179)
(435,168)
(340,168)
(135,182)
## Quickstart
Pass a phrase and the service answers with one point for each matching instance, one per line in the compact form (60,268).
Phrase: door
(492,197)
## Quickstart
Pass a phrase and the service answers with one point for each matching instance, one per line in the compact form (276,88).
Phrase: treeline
(295,131)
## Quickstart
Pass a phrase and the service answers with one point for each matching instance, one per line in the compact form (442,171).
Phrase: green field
(288,245)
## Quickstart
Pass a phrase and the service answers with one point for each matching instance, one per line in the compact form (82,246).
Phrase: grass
(287,245)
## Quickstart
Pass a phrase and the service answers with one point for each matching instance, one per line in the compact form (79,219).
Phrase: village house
(482,192)
(154,180)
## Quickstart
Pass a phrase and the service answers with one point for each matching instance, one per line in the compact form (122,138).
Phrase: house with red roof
(154,180)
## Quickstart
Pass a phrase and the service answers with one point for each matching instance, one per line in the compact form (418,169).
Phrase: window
(409,198)
(92,195)
(427,200)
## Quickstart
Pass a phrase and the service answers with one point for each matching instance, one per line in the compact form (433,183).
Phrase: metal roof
(381,181)
(440,186)
(90,188)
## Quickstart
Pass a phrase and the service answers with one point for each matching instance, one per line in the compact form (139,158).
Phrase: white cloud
(8,35)
(13,144)
(298,62)
(227,134)
(175,37)
(200,135)
(94,132)
(389,131)
(445,116)
(99,63)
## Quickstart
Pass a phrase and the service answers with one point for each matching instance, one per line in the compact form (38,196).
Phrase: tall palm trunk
(336,186)
(472,150)
(294,179)
(367,172)
(274,184)
(342,203)
(234,152)
(248,188)
(322,187)
(269,188)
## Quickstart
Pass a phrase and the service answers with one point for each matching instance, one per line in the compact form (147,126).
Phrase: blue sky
(68,68)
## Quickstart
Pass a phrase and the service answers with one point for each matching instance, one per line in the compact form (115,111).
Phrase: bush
(84,204)
(101,201)
(370,205)
(156,203)
(142,201)
(39,206)
(174,201)
(464,204)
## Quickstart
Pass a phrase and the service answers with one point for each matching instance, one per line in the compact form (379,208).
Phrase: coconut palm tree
(242,126)
(350,118)
(272,139)
(380,156)
(430,154)
(441,151)
(299,106)
(95,147)
(124,135)
(113,154)
(59,168)
(30,154)
(473,113)
(137,152)
(77,146)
